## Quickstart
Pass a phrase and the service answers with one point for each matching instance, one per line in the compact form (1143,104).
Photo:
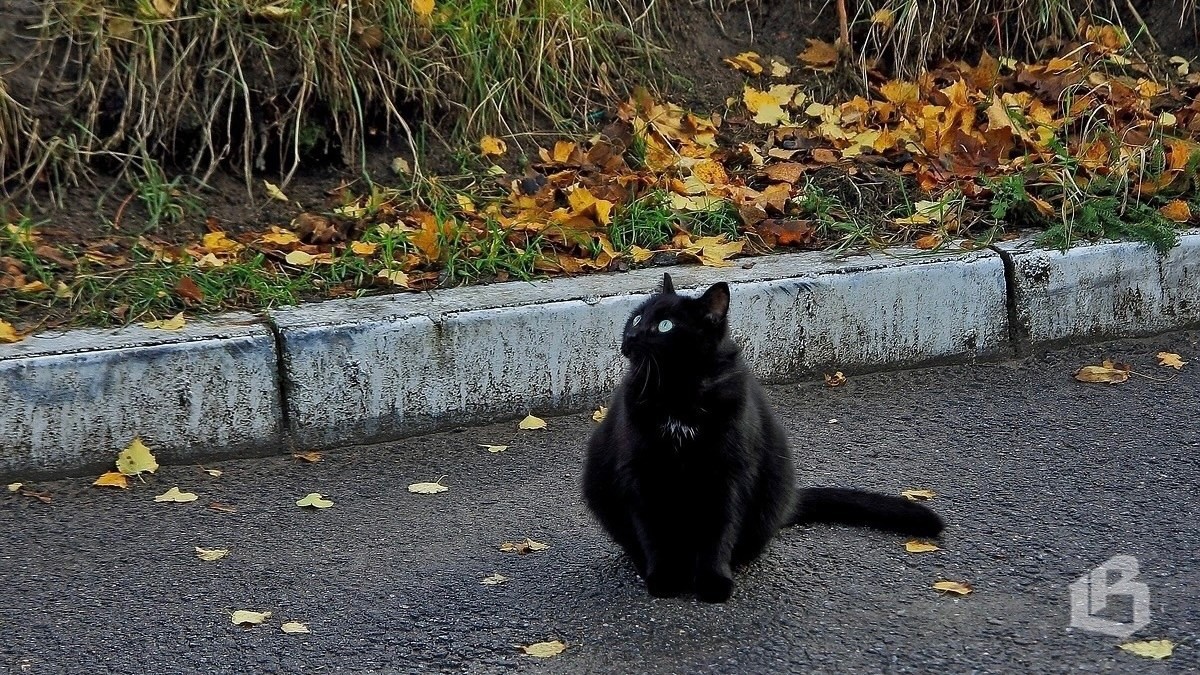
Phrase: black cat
(689,472)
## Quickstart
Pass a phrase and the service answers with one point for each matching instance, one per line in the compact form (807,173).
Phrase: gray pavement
(1039,477)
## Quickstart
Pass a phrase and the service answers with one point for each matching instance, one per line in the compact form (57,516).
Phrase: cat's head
(669,326)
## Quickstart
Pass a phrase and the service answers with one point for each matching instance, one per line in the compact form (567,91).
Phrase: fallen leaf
(400,166)
(918,495)
(363,247)
(929,241)
(600,414)
(43,496)
(1104,374)
(8,334)
(13,487)
(174,323)
(490,145)
(215,473)
(884,18)
(294,627)
(136,459)
(428,488)
(188,289)
(954,587)
(244,617)
(174,495)
(223,508)
(1171,360)
(1150,649)
(300,258)
(113,479)
(523,547)
(640,254)
(530,423)
(1176,211)
(211,554)
(423,8)
(394,277)
(315,500)
(714,251)
(819,54)
(309,457)
(835,380)
(545,650)
(274,192)
(494,580)
(914,546)
(747,62)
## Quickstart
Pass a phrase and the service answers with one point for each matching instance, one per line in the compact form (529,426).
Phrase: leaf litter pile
(1094,142)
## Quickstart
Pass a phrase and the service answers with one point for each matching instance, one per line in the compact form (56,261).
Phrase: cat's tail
(866,509)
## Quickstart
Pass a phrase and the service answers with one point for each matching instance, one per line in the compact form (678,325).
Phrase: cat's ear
(668,285)
(716,302)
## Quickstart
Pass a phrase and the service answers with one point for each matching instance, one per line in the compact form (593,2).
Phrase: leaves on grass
(1176,211)
(492,146)
(300,258)
(953,587)
(1170,360)
(174,323)
(394,277)
(1150,649)
(713,251)
(8,333)
(211,554)
(523,547)
(915,546)
(189,290)
(428,488)
(112,479)
(274,192)
(819,55)
(1106,373)
(309,457)
(423,8)
(136,459)
(918,495)
(314,500)
(600,414)
(175,495)
(530,423)
(293,627)
(747,62)
(494,580)
(243,617)
(835,380)
(545,650)
(493,448)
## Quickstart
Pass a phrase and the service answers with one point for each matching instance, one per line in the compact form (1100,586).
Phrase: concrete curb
(373,369)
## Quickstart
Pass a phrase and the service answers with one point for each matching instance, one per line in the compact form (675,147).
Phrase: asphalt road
(1040,478)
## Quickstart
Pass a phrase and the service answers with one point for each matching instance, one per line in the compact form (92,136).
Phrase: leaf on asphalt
(136,459)
(243,617)
(274,192)
(545,650)
(174,323)
(315,500)
(914,546)
(113,479)
(13,487)
(1171,360)
(428,488)
(300,258)
(530,423)
(493,448)
(42,496)
(494,580)
(294,627)
(223,508)
(953,587)
(215,473)
(309,457)
(600,414)
(835,380)
(175,495)
(8,333)
(523,547)
(918,495)
(490,145)
(211,554)
(1106,373)
(1150,649)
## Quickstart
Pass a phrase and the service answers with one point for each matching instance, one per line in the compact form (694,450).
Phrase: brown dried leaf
(835,380)
(523,547)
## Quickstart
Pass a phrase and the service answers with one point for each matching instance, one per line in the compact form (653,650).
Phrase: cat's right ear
(668,285)
(716,302)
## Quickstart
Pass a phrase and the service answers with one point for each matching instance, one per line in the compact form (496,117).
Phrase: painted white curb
(1117,289)
(71,401)
(370,369)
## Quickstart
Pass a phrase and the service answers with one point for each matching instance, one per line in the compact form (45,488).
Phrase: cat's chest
(677,431)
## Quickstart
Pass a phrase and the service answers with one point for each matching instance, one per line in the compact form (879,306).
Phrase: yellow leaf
(243,616)
(819,54)
(530,423)
(600,414)
(427,488)
(34,287)
(174,323)
(1102,374)
(215,473)
(113,479)
(714,251)
(747,62)
(1150,649)
(884,18)
(274,192)
(900,92)
(300,258)
(914,546)
(765,107)
(779,68)
(1171,360)
(835,380)
(315,500)
(211,554)
(174,495)
(363,247)
(423,8)
(490,145)
(157,9)
(493,448)
(954,587)
(8,333)
(294,627)
(136,459)
(218,242)
(523,547)
(545,650)
(640,254)
(696,203)
(275,12)
(309,457)
(1176,211)
(395,277)
(562,151)
(465,203)
(918,495)
(280,237)
(13,487)
(494,580)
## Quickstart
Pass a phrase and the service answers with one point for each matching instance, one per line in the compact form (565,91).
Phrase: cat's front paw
(714,587)
(662,585)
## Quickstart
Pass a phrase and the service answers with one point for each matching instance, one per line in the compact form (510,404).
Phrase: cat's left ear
(668,285)
(716,302)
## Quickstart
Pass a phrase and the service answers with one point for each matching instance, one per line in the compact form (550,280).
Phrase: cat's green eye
(636,320)
(665,325)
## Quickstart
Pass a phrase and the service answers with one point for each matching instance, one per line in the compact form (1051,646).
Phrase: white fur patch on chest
(678,431)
